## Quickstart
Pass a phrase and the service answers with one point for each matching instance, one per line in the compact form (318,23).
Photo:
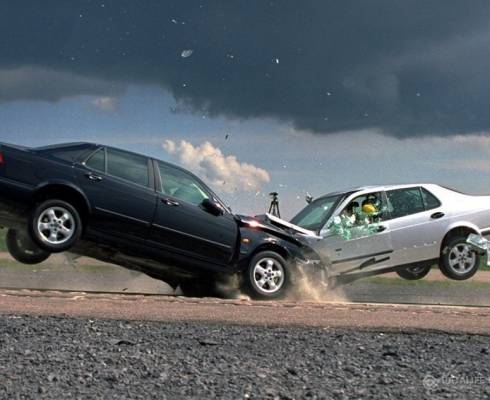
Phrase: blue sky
(297,161)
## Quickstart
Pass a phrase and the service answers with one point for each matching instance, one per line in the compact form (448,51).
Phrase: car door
(417,224)
(182,225)
(366,246)
(120,189)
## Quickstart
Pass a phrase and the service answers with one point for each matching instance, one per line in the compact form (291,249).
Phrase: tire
(415,272)
(265,269)
(458,260)
(22,248)
(55,226)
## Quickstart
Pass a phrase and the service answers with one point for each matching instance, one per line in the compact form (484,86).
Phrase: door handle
(437,215)
(381,228)
(93,177)
(170,202)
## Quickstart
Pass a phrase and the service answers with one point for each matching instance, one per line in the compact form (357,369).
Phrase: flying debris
(227,136)
(186,53)
(277,60)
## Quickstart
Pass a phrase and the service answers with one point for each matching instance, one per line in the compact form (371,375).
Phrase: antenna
(274,207)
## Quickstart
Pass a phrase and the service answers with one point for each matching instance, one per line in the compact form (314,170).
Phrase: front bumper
(480,245)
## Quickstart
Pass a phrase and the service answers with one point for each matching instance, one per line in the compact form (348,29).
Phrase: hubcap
(56,225)
(268,275)
(462,259)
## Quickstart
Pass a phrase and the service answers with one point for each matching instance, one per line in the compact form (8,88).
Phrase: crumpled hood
(277,226)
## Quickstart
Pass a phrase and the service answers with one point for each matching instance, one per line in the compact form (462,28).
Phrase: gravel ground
(48,357)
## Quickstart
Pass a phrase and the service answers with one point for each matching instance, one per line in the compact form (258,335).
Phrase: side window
(69,155)
(367,206)
(131,167)
(97,161)
(403,202)
(430,200)
(182,186)
(66,153)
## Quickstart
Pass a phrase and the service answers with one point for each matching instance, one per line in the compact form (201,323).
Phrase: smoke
(216,168)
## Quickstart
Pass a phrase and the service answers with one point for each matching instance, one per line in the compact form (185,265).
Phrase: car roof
(379,188)
(98,146)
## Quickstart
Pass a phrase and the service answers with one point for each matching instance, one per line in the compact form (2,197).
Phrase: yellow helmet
(369,209)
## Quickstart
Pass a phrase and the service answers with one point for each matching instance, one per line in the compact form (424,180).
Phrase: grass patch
(379,280)
(3,247)
(47,266)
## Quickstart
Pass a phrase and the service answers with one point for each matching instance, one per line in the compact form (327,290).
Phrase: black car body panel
(132,218)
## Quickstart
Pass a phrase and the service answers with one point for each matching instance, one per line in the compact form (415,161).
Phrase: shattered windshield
(314,216)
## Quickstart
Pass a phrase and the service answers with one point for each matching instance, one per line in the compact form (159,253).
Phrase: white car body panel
(408,239)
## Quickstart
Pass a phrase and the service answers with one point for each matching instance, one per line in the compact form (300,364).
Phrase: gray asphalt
(54,358)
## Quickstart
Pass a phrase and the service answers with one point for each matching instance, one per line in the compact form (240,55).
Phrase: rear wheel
(23,249)
(267,277)
(55,226)
(459,261)
(415,272)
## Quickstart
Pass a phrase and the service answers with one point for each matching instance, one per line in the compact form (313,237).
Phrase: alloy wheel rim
(56,225)
(268,275)
(462,259)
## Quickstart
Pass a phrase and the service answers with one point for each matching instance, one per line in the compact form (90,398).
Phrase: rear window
(97,161)
(128,166)
(430,200)
(69,154)
(402,202)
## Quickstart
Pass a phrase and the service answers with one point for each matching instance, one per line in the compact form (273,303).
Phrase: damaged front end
(270,232)
(479,244)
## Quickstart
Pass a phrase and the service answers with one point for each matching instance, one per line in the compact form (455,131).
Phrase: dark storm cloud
(406,67)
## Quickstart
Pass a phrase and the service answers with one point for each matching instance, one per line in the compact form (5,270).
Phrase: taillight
(2,159)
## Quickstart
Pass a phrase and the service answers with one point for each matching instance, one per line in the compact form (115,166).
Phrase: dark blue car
(143,214)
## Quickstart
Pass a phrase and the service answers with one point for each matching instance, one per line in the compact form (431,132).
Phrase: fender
(462,224)
(65,183)
(258,239)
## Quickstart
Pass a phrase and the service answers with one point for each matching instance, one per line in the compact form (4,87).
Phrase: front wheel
(22,248)
(55,226)
(414,272)
(458,260)
(267,276)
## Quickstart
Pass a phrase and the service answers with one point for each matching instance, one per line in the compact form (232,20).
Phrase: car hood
(277,227)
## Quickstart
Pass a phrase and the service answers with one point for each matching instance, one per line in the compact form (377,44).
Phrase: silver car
(402,228)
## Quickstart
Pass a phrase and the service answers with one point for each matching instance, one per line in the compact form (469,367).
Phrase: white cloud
(478,140)
(216,168)
(105,103)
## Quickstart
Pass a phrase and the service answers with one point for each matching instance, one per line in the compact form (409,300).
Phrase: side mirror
(212,207)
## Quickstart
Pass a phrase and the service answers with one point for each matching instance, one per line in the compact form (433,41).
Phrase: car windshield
(316,214)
